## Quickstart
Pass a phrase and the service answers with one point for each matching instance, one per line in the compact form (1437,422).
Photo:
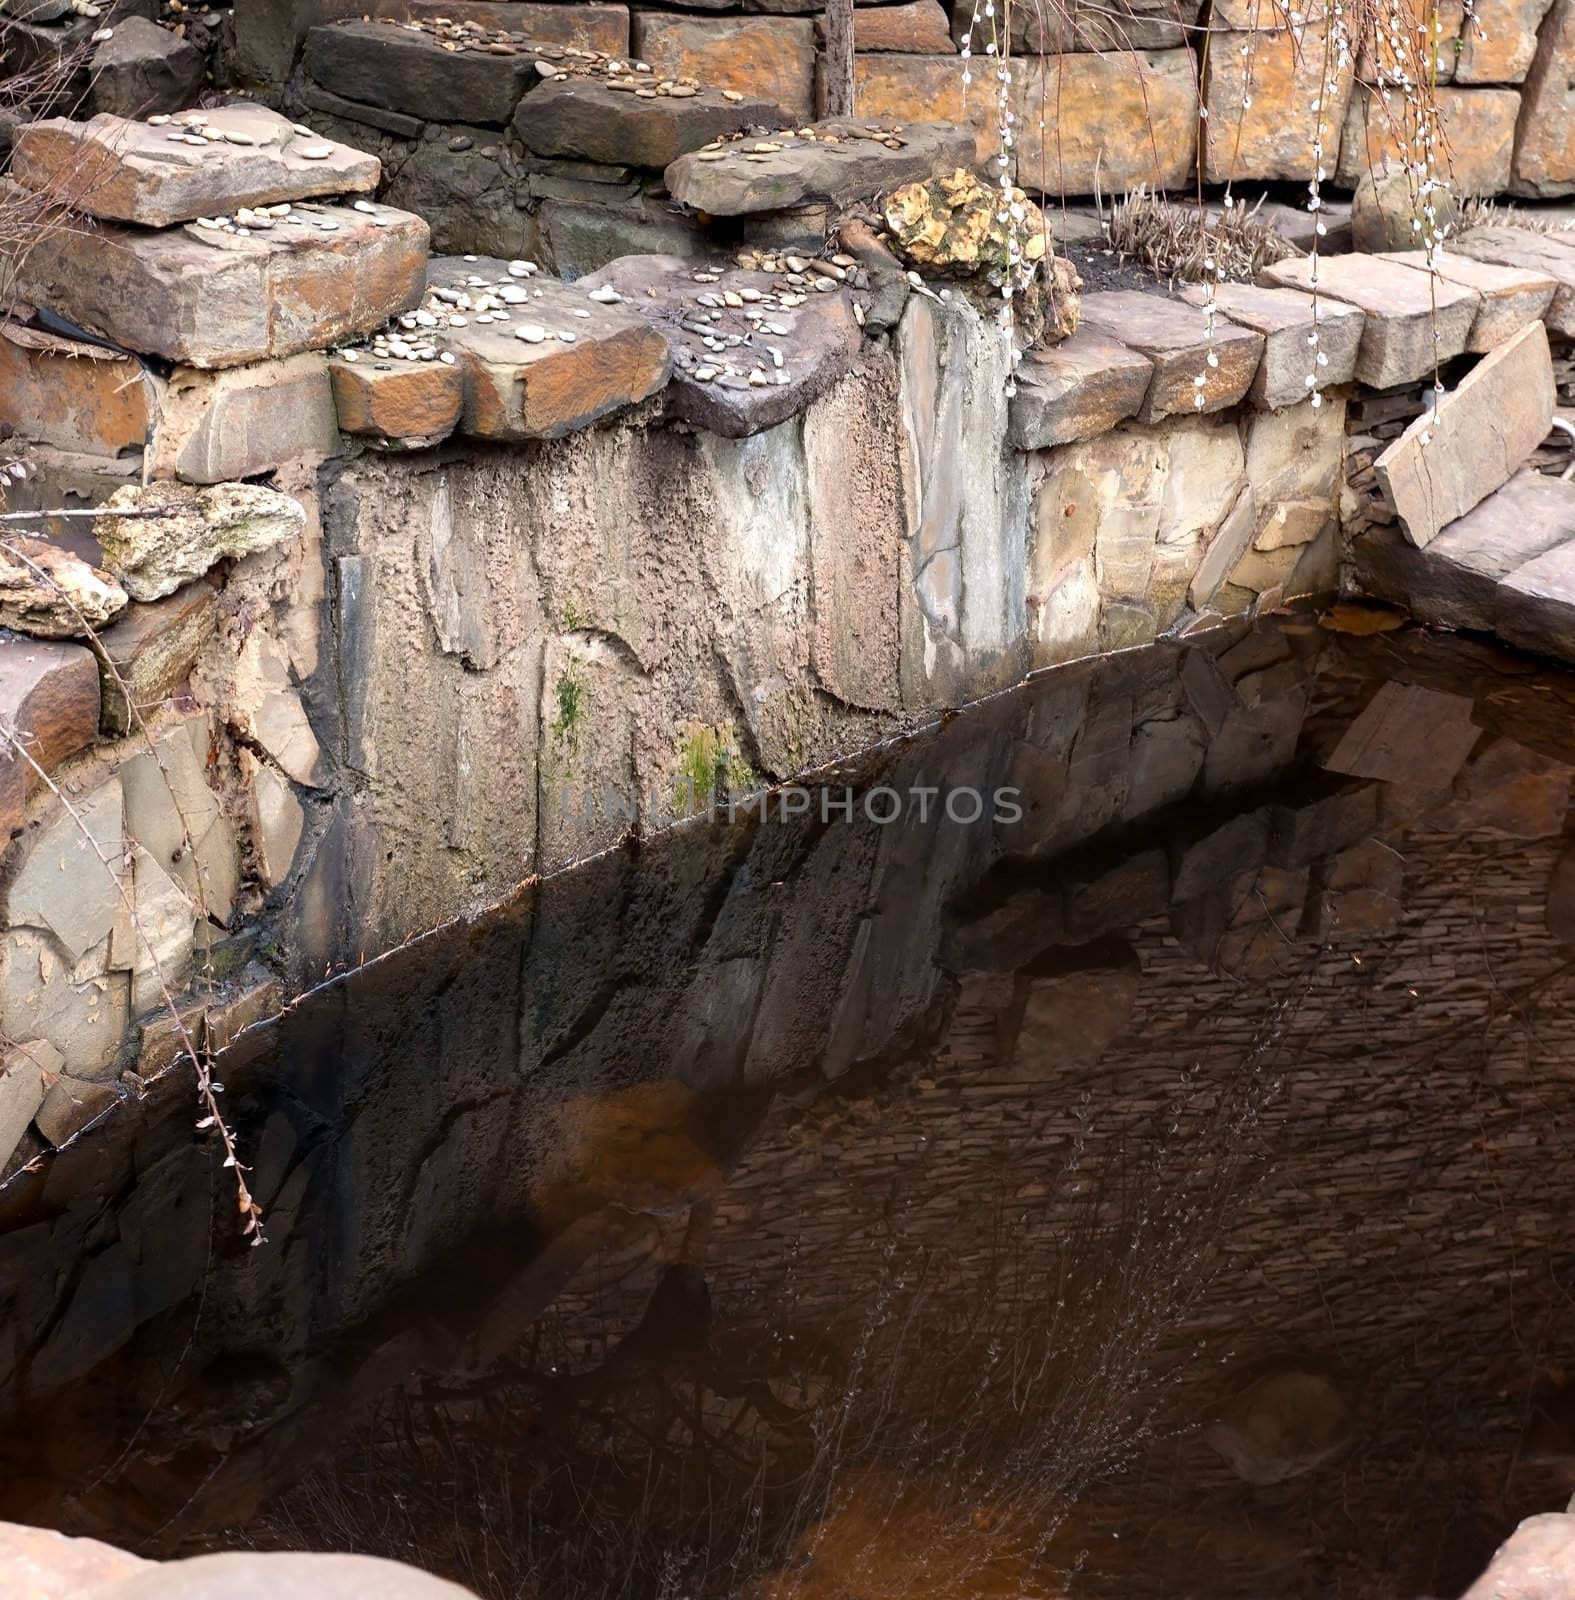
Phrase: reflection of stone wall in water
(454,1144)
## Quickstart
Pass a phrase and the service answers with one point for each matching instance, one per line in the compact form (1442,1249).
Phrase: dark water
(1156,1185)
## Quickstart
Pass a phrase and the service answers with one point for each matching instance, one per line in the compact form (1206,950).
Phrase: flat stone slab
(626,120)
(1455,582)
(750,349)
(831,161)
(208,298)
(126,171)
(48,701)
(1532,252)
(408,67)
(1174,336)
(1285,318)
(537,359)
(1473,440)
(1402,338)
(1537,610)
(1511,296)
(1075,390)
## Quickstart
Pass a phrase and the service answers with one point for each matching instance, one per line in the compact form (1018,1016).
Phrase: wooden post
(838,84)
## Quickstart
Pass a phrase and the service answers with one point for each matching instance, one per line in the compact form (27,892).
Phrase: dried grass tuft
(1181,241)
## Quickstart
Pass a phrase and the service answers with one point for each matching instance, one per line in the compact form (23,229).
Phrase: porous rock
(194,528)
(50,593)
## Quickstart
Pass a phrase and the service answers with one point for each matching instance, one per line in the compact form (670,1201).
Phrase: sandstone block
(1225,549)
(1285,319)
(1500,49)
(209,299)
(48,703)
(1410,325)
(148,653)
(1474,439)
(588,120)
(143,68)
(1531,252)
(404,69)
(73,395)
(744,390)
(1131,117)
(918,27)
(1280,75)
(580,369)
(1478,127)
(125,171)
(768,58)
(73,1104)
(902,89)
(1174,337)
(277,822)
(50,593)
(842,161)
(1073,390)
(397,400)
(216,427)
(1544,161)
(196,527)
(1511,296)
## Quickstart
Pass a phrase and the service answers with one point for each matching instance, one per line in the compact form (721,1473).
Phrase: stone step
(49,702)
(1511,296)
(830,161)
(1411,326)
(407,67)
(124,171)
(1077,389)
(1473,440)
(1532,252)
(553,362)
(1285,319)
(1456,581)
(741,389)
(586,118)
(207,298)
(1174,336)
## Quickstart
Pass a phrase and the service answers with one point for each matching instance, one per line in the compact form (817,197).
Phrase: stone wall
(1109,100)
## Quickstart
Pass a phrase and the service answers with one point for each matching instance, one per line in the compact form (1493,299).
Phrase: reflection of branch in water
(935,1427)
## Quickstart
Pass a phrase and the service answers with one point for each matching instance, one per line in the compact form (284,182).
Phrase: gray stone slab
(1534,252)
(1473,440)
(1455,581)
(406,69)
(1076,389)
(1285,318)
(1511,296)
(740,389)
(1174,336)
(1411,324)
(125,171)
(843,161)
(588,119)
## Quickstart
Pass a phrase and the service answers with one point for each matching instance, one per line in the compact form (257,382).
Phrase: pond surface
(1140,1166)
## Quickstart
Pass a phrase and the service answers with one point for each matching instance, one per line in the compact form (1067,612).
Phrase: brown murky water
(1156,1185)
